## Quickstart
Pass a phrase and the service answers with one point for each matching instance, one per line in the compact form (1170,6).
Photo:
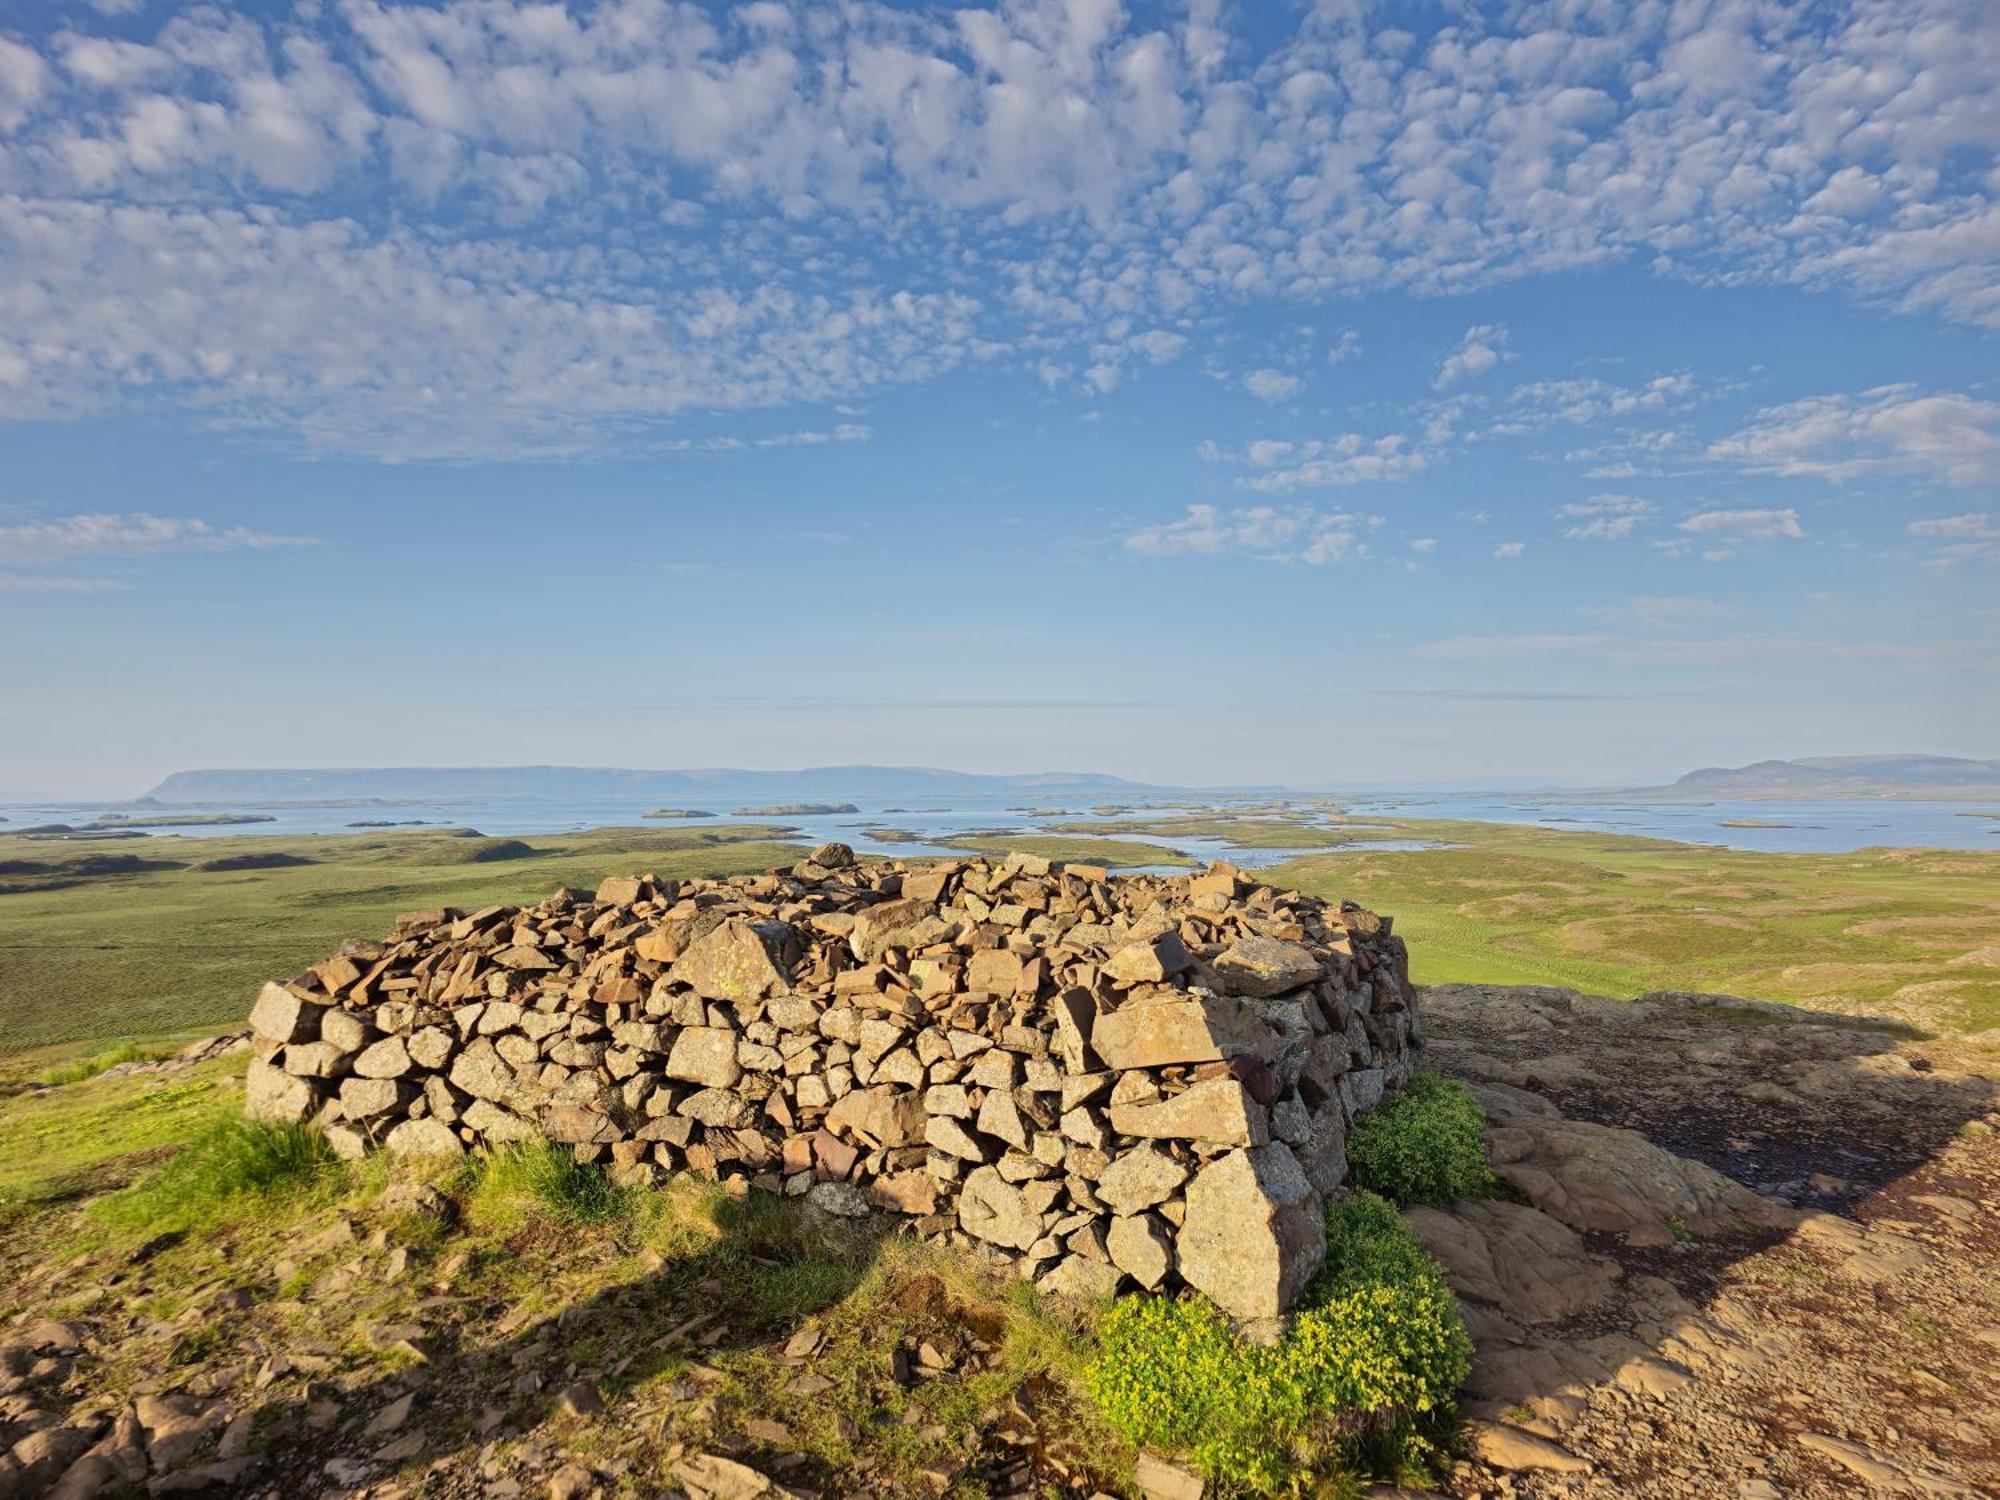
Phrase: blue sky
(1206,393)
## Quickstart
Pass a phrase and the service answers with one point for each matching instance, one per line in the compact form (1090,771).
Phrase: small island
(179,820)
(796,810)
(675,812)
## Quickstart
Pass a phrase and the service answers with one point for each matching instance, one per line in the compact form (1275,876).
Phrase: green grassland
(98,947)
(1909,934)
(91,951)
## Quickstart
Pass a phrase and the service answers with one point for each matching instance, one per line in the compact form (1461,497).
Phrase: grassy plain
(168,948)
(98,947)
(1909,934)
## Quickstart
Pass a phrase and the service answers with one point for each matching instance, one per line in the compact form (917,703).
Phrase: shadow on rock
(1662,1295)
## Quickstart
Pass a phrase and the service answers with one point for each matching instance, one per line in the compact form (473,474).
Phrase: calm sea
(1776,827)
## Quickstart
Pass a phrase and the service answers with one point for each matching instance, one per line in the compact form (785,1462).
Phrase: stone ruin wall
(1129,1080)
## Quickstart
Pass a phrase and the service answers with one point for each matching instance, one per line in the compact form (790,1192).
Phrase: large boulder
(1254,1234)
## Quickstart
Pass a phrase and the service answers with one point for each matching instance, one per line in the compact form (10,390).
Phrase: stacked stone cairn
(1104,1079)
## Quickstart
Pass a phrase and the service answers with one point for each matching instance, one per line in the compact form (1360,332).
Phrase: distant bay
(924,826)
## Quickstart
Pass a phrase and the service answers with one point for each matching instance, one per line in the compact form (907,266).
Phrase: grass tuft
(233,1167)
(1425,1145)
(1364,1378)
(90,1067)
(540,1181)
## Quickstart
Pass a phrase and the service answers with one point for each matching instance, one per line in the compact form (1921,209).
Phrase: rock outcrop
(1105,1078)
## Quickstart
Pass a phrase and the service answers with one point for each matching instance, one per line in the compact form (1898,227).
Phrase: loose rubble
(1111,1080)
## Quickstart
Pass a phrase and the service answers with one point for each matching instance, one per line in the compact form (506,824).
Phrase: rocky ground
(1741,1251)
(1647,1325)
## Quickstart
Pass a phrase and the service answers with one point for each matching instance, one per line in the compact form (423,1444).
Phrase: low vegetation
(234,1167)
(1426,1145)
(1364,1378)
(97,948)
(1906,934)
(540,1181)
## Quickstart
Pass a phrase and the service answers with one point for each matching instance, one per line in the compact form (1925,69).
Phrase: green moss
(1426,1145)
(1364,1378)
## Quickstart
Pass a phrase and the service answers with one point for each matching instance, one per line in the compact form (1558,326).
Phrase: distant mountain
(592,783)
(1827,777)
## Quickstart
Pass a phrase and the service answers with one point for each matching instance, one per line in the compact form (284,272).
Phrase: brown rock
(1159,1480)
(992,1209)
(1152,1032)
(876,928)
(1254,1235)
(734,961)
(707,1476)
(388,1058)
(705,1055)
(1219,1110)
(881,1116)
(1266,966)
(1517,1450)
(271,1093)
(1141,1247)
(281,1016)
(425,1137)
(1140,1178)
(1153,961)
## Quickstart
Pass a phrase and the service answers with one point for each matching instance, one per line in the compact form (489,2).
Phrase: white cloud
(1661,609)
(1605,518)
(1479,351)
(101,534)
(1508,551)
(1424,544)
(1971,537)
(1698,653)
(1745,525)
(36,583)
(1269,533)
(1582,401)
(1344,348)
(1345,460)
(1272,385)
(489,227)
(1951,437)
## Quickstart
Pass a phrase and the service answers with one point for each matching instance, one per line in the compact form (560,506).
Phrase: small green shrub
(232,1166)
(541,1180)
(1426,1145)
(1370,1363)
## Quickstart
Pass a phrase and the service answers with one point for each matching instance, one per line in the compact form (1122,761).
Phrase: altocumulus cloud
(490,228)
(103,534)
(1269,533)
(1745,525)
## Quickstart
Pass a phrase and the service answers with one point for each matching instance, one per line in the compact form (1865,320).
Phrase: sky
(1207,393)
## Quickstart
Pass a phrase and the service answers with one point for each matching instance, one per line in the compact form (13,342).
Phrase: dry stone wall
(1111,1080)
